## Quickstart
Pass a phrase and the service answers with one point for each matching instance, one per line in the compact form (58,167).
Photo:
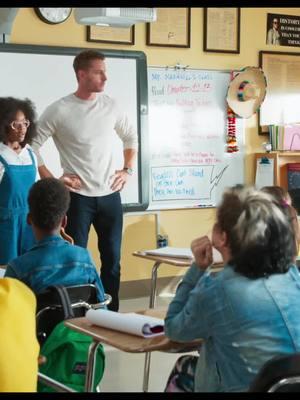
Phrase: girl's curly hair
(9,106)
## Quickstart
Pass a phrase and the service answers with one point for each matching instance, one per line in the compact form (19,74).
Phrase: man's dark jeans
(106,215)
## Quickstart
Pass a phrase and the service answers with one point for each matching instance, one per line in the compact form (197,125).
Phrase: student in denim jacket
(52,261)
(248,312)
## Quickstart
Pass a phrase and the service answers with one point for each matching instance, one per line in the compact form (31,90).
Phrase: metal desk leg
(90,367)
(151,305)
(153,284)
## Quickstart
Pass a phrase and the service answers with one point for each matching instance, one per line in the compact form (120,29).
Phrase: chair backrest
(58,303)
(280,374)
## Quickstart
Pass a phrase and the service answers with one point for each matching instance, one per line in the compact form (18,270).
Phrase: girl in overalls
(18,172)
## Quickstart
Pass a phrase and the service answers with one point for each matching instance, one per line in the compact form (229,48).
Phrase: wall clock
(53,15)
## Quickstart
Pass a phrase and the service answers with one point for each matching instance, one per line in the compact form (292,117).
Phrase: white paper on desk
(168,251)
(181,252)
(264,173)
(2,272)
(135,324)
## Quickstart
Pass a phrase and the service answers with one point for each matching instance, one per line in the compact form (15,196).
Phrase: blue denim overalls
(16,235)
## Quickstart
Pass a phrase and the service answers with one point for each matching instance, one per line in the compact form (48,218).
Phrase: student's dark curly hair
(48,201)
(9,106)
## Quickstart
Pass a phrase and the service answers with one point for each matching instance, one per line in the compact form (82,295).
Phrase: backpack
(66,352)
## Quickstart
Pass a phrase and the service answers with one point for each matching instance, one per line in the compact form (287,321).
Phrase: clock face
(53,15)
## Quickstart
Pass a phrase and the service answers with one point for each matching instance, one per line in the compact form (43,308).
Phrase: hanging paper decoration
(232,146)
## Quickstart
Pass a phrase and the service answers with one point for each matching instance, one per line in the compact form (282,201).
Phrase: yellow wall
(181,226)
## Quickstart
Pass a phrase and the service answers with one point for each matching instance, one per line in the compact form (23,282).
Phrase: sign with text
(283,30)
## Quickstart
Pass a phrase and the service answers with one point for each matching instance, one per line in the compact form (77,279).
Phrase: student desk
(175,261)
(158,260)
(124,341)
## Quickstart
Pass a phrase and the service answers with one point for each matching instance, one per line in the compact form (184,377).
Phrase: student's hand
(71,181)
(202,250)
(119,180)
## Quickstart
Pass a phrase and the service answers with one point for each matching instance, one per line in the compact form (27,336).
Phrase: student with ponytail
(248,312)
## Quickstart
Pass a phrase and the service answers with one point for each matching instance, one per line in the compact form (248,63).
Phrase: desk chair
(58,303)
(52,306)
(280,374)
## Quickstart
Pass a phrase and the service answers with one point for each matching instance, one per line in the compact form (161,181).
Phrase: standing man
(83,125)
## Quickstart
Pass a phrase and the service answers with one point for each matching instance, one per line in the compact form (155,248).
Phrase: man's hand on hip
(119,180)
(71,181)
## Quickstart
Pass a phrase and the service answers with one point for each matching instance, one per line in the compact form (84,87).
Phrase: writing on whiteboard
(189,165)
(185,182)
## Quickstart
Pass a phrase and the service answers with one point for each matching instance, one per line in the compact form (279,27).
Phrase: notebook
(181,252)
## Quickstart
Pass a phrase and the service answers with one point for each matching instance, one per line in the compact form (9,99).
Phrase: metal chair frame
(57,386)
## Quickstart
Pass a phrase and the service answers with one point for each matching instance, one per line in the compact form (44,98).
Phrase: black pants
(106,215)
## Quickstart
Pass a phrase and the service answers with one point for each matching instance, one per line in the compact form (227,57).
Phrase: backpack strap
(65,300)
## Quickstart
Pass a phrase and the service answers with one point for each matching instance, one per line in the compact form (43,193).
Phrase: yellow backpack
(19,348)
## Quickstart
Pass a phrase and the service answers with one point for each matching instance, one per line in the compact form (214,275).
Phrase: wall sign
(283,30)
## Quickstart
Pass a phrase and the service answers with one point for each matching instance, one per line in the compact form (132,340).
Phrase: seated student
(248,312)
(52,261)
(283,198)
(19,348)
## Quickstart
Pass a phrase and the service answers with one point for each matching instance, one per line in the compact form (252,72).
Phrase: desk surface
(177,262)
(131,343)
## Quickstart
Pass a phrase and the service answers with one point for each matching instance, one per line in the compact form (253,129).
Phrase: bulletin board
(189,164)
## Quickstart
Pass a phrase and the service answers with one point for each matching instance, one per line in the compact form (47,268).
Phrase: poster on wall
(283,30)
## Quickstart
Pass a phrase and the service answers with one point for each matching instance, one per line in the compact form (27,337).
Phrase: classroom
(168,69)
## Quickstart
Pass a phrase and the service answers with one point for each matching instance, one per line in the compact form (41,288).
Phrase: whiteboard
(189,165)
(45,74)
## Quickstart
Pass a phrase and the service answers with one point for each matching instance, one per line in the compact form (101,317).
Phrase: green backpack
(66,352)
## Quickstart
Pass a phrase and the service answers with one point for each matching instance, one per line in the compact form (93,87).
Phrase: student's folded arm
(95,279)
(185,319)
(100,288)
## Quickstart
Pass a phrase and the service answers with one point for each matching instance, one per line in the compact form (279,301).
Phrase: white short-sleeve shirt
(13,158)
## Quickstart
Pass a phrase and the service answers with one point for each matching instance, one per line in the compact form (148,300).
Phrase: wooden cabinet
(281,159)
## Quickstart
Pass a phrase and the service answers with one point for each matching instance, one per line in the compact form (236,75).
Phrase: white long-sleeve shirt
(83,132)
(13,158)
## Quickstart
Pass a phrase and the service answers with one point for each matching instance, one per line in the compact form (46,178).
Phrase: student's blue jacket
(54,261)
(244,322)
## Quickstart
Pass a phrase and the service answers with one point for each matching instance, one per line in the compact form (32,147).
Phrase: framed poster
(221,30)
(107,34)
(172,28)
(280,107)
